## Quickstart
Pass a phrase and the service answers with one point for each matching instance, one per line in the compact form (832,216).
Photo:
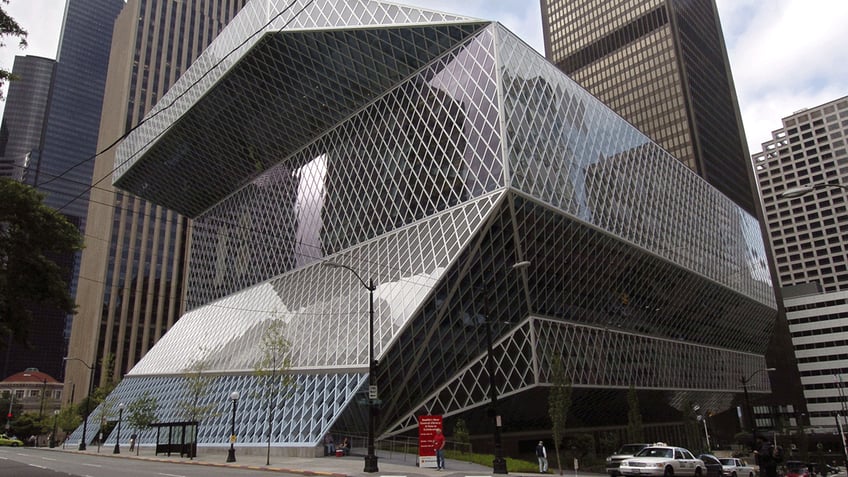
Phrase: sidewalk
(350,466)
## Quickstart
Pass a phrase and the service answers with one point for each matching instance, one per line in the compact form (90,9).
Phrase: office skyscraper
(663,66)
(23,117)
(808,236)
(133,265)
(58,163)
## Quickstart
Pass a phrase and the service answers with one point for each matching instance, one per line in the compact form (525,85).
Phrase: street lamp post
(120,419)
(53,436)
(87,398)
(750,410)
(371,457)
(231,455)
(499,462)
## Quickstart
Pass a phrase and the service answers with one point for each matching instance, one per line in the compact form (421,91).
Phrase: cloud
(785,55)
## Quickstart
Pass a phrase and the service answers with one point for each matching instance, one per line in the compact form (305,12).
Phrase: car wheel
(697,472)
(14,444)
(669,471)
(734,474)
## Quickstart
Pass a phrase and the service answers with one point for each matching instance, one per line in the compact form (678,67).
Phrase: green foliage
(141,413)
(608,442)
(583,445)
(197,383)
(9,27)
(275,382)
(559,402)
(461,434)
(635,431)
(31,424)
(31,234)
(514,465)
(69,418)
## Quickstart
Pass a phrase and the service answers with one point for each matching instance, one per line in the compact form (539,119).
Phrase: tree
(635,431)
(461,435)
(198,384)
(32,235)
(141,413)
(31,424)
(9,27)
(272,370)
(559,402)
(68,419)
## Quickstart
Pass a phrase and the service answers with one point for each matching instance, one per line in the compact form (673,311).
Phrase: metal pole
(371,458)
(499,463)
(751,419)
(120,419)
(231,455)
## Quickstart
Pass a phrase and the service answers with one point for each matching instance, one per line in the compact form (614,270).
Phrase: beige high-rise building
(133,266)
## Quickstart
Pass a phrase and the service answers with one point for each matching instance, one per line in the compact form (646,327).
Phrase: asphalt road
(25,462)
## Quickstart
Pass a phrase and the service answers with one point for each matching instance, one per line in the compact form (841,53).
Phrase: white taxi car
(733,467)
(662,460)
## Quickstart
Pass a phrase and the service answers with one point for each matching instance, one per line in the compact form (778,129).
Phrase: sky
(785,55)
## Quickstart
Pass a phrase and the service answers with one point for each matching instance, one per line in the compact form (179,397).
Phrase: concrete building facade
(133,264)
(808,235)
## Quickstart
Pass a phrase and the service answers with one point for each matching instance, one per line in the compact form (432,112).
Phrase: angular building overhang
(251,109)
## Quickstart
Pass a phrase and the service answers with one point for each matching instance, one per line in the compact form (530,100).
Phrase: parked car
(733,467)
(796,468)
(10,441)
(625,451)
(712,465)
(666,461)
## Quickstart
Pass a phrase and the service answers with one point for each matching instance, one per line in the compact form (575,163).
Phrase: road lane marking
(48,458)
(93,465)
(37,466)
(171,475)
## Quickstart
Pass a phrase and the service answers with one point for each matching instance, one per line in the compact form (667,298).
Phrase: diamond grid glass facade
(430,153)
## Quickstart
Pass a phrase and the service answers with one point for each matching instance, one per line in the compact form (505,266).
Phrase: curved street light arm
(368,286)
(800,191)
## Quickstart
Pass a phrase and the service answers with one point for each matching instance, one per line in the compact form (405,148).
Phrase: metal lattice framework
(429,152)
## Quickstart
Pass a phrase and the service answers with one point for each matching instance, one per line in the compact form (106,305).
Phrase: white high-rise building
(809,236)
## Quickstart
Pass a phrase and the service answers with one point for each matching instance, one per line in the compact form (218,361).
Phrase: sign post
(427,426)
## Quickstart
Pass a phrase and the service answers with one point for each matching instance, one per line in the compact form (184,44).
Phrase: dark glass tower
(23,118)
(663,66)
(59,164)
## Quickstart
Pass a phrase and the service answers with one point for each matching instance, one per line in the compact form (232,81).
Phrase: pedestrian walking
(542,455)
(132,442)
(439,446)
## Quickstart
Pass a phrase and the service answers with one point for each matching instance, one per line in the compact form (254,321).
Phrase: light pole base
(499,466)
(231,455)
(371,464)
(117,449)
(82,446)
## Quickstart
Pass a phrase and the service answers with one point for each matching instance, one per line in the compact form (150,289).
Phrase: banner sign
(427,426)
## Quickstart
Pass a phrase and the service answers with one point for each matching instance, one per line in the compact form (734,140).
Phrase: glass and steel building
(663,66)
(430,153)
(809,236)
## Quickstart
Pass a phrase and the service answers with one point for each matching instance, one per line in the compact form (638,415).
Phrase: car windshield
(727,462)
(656,452)
(630,449)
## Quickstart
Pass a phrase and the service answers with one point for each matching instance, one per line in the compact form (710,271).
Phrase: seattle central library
(430,153)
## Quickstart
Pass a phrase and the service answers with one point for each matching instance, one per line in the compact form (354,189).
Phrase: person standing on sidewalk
(439,445)
(542,455)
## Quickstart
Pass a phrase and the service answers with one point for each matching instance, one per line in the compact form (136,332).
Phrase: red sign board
(427,426)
